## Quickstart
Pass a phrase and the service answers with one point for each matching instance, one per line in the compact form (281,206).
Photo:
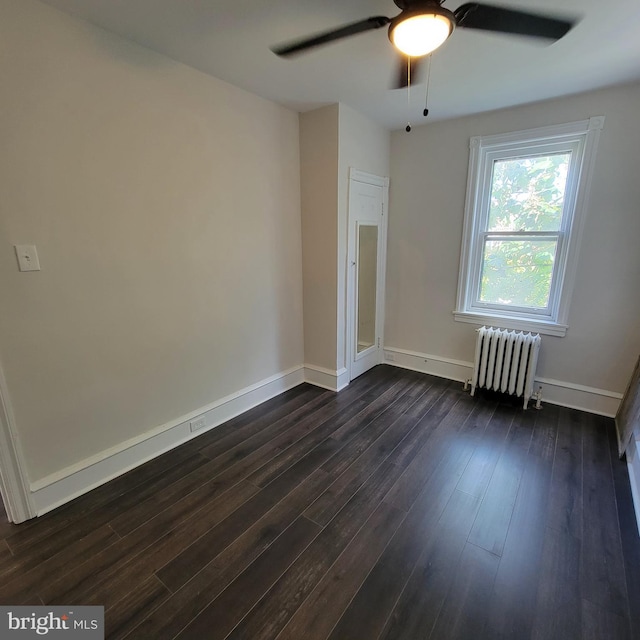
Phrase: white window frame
(578,138)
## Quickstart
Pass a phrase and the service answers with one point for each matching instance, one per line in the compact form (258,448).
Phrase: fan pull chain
(425,113)
(408,127)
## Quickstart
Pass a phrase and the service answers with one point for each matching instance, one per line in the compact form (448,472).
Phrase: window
(526,193)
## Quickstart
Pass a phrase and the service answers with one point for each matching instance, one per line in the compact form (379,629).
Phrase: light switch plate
(27,257)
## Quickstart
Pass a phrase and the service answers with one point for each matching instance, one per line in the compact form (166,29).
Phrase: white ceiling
(473,71)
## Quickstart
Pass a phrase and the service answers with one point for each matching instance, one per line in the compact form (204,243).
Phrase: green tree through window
(527,197)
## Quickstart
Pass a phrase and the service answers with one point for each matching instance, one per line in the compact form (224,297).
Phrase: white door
(367,242)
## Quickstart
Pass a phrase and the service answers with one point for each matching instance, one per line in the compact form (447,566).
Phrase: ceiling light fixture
(419,33)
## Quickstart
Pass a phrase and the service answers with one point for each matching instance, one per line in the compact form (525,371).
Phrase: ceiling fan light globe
(419,35)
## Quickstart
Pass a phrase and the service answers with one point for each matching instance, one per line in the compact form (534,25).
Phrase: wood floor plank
(5,552)
(181,568)
(208,583)
(215,477)
(328,428)
(463,613)
(279,418)
(324,404)
(362,439)
(382,402)
(81,582)
(346,404)
(602,571)
(558,613)
(337,495)
(545,434)
(27,578)
(492,524)
(332,415)
(223,614)
(477,475)
(512,607)
(324,606)
(189,561)
(370,608)
(565,505)
(278,605)
(27,596)
(601,624)
(418,606)
(429,425)
(436,454)
(126,613)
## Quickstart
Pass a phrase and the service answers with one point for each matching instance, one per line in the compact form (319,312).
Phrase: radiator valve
(538,396)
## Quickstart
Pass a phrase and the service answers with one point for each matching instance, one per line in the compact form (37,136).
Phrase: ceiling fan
(423,25)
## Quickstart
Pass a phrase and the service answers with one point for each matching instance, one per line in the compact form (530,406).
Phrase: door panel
(366,260)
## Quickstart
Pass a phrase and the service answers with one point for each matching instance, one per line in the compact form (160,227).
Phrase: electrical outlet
(200,423)
(389,356)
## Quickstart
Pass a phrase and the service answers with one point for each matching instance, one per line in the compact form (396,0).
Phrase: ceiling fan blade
(375,22)
(475,15)
(402,79)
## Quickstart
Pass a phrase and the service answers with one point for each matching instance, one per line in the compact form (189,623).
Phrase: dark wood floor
(398,508)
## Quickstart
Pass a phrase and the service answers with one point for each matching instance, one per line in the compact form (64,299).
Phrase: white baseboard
(67,484)
(566,394)
(576,396)
(434,365)
(326,378)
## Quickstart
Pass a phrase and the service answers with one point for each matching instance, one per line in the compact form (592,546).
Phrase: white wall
(333,139)
(365,146)
(427,192)
(319,201)
(165,206)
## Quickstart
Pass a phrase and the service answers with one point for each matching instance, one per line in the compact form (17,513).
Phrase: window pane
(527,194)
(517,272)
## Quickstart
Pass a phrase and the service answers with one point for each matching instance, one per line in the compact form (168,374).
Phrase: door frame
(355,175)
(14,486)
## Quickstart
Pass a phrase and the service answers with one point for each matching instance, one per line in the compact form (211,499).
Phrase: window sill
(507,322)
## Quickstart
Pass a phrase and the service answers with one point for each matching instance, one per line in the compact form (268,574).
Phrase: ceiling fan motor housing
(418,9)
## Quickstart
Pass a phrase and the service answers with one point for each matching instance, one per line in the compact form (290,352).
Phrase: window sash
(527,156)
(481,241)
